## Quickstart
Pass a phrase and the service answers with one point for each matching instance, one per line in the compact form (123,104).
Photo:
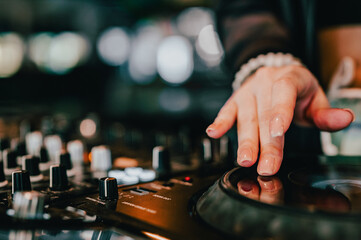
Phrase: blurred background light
(88,128)
(191,20)
(58,53)
(142,59)
(66,51)
(38,49)
(113,46)
(174,100)
(12,50)
(175,60)
(208,46)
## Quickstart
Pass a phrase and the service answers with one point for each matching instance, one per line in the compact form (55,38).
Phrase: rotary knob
(31,164)
(29,205)
(161,160)
(101,159)
(3,181)
(20,181)
(76,150)
(53,144)
(58,178)
(66,162)
(44,159)
(20,150)
(4,144)
(206,151)
(108,188)
(10,161)
(34,141)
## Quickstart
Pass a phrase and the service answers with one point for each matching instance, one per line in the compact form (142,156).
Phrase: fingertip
(333,119)
(353,117)
(212,131)
(265,166)
(245,158)
(269,165)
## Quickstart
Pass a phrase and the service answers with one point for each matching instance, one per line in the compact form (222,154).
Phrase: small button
(168,184)
(139,192)
(187,179)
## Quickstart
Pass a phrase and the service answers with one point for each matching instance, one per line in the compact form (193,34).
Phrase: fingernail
(276,127)
(245,158)
(352,113)
(210,128)
(265,167)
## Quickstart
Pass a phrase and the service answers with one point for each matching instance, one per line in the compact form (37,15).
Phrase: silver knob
(28,205)
(53,144)
(76,151)
(34,141)
(206,150)
(101,159)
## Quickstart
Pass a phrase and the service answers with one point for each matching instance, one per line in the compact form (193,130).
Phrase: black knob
(65,160)
(161,160)
(21,181)
(10,159)
(21,148)
(44,160)
(4,144)
(3,181)
(58,178)
(44,155)
(108,188)
(31,164)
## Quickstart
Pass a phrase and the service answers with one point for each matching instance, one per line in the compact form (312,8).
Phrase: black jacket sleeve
(248,28)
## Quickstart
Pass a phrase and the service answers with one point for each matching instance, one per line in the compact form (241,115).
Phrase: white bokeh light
(88,128)
(208,46)
(11,54)
(66,51)
(192,20)
(175,60)
(113,46)
(142,59)
(59,53)
(39,45)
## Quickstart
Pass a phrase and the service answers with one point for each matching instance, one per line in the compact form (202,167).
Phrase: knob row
(21,179)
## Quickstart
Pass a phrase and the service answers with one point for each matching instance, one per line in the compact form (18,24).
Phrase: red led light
(187,179)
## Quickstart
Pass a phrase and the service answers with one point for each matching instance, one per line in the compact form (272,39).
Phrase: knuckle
(247,119)
(285,81)
(271,149)
(264,72)
(248,143)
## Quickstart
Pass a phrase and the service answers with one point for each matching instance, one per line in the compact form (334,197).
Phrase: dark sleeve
(248,28)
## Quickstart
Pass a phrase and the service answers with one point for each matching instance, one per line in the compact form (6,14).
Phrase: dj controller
(175,186)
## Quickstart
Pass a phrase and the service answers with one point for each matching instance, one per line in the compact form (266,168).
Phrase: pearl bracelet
(269,60)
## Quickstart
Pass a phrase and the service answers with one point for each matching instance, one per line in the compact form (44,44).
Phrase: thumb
(326,118)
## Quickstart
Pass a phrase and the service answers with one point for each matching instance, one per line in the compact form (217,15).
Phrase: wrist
(269,60)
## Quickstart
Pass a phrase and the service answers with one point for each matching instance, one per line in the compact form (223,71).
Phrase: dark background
(93,85)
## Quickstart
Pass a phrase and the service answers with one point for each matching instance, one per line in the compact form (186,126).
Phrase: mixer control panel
(130,180)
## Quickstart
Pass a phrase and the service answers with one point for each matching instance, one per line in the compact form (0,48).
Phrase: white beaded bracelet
(269,60)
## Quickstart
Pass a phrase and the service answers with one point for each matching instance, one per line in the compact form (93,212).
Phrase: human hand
(264,107)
